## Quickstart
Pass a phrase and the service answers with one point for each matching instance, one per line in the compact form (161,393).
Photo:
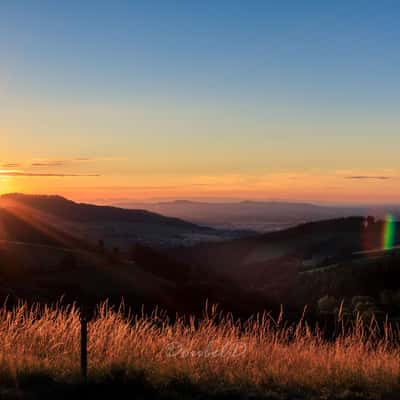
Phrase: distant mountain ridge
(257,215)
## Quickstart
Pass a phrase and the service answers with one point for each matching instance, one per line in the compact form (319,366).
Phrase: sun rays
(37,220)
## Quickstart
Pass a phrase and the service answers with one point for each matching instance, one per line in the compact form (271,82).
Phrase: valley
(75,251)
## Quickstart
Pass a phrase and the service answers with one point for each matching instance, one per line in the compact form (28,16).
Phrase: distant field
(39,350)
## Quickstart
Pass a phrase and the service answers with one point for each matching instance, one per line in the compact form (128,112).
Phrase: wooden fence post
(84,337)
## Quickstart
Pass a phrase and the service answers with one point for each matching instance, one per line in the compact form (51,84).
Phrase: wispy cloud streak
(10,165)
(44,174)
(54,163)
(368,177)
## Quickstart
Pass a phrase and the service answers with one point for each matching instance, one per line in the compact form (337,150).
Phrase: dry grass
(215,353)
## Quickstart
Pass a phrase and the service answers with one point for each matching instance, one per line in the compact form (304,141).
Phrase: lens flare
(389,232)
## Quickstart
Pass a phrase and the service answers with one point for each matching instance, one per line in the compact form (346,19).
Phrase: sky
(283,100)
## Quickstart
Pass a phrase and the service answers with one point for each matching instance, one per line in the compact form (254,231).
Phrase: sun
(6,185)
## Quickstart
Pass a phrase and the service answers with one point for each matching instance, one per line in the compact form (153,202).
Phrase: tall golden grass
(216,352)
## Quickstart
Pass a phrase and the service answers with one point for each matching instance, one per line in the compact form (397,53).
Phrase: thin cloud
(48,162)
(10,165)
(125,188)
(83,159)
(44,174)
(368,177)
(54,163)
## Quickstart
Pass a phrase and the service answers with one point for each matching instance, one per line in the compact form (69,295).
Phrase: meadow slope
(213,356)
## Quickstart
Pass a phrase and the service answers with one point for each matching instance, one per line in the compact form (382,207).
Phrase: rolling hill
(49,247)
(271,262)
(117,227)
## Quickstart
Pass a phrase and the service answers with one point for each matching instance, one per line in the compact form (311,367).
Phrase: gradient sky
(201,99)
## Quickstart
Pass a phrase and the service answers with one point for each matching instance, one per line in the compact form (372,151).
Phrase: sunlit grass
(214,353)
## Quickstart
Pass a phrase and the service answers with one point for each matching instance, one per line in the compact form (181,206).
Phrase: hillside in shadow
(42,259)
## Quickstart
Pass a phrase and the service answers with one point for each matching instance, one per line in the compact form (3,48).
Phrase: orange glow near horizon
(6,186)
(261,113)
(337,187)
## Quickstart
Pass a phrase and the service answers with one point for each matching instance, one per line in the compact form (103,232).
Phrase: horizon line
(204,200)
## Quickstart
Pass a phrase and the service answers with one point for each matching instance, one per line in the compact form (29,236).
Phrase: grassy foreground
(216,356)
